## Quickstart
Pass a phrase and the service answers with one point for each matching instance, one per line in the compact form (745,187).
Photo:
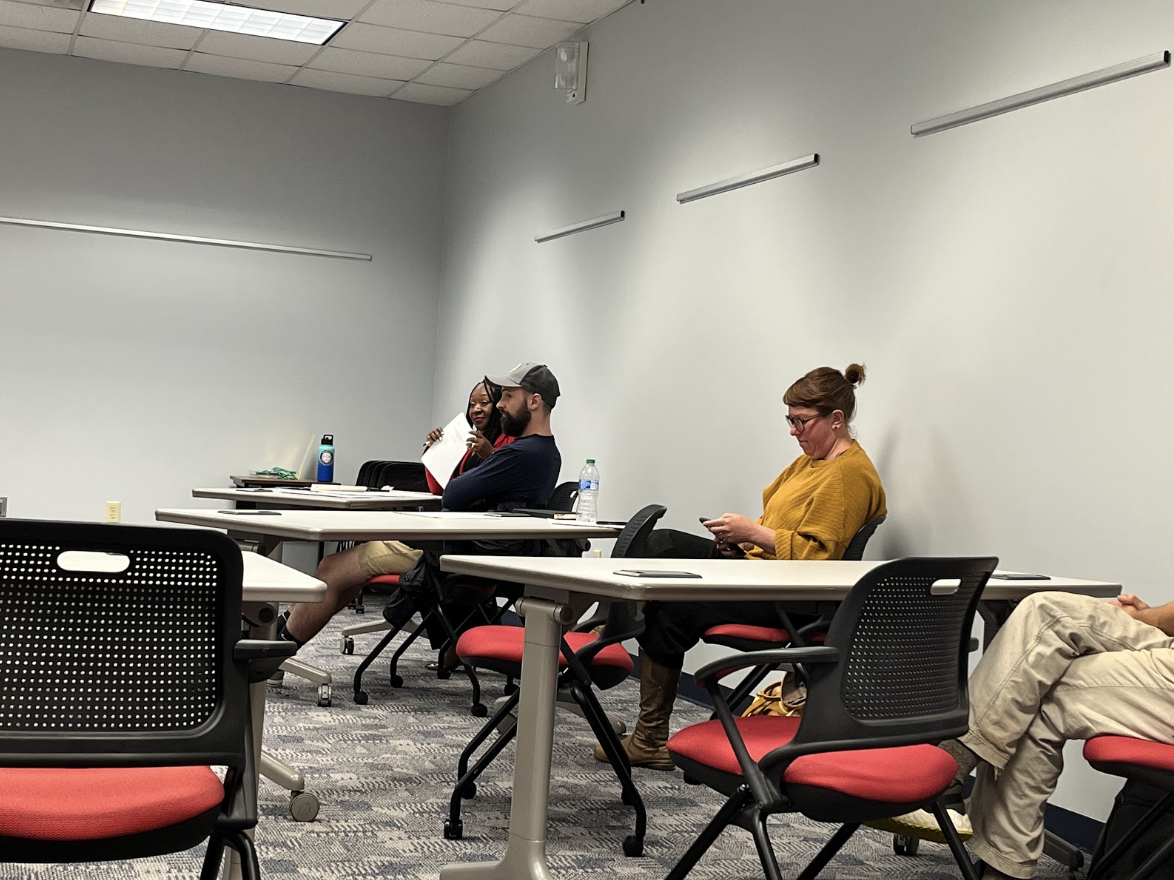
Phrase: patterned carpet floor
(384,773)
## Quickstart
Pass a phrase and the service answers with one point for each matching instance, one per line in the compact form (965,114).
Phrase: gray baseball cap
(532,377)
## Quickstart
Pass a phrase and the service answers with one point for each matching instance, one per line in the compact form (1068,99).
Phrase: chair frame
(829,725)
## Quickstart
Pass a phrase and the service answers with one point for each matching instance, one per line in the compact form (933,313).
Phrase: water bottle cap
(591,461)
(327,439)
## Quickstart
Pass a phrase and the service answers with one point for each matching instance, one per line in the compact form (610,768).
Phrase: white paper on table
(442,457)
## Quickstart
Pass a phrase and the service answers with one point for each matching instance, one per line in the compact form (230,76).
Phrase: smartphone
(1005,576)
(655,573)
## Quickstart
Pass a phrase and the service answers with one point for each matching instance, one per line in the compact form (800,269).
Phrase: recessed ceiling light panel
(224,17)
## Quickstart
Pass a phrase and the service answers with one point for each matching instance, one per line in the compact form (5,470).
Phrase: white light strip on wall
(1043,93)
(594,223)
(714,189)
(225,17)
(186,239)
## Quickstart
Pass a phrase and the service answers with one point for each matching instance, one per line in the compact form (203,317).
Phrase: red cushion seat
(388,580)
(505,643)
(748,632)
(101,803)
(1128,750)
(870,774)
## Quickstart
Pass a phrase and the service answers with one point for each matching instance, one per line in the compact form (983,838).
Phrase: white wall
(1005,282)
(133,369)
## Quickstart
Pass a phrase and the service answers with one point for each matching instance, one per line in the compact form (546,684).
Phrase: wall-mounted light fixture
(704,192)
(570,71)
(594,223)
(1043,93)
(186,239)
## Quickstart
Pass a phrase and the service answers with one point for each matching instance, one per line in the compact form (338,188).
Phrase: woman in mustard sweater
(811,511)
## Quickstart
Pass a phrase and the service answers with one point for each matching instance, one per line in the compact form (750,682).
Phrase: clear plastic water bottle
(326,459)
(588,492)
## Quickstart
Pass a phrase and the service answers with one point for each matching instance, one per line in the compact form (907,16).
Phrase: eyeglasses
(800,422)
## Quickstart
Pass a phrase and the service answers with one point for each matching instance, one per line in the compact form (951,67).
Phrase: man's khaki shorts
(385,557)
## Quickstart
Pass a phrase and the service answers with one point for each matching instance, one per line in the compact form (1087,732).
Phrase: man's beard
(513,426)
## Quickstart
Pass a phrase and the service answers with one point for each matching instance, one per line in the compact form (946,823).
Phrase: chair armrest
(723,667)
(262,656)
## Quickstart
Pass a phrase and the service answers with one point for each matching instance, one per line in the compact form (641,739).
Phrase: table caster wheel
(479,710)
(361,698)
(633,846)
(303,806)
(323,695)
(453,830)
(348,645)
(905,846)
(397,681)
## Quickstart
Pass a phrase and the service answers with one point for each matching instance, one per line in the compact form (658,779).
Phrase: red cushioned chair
(588,661)
(123,676)
(1150,763)
(746,637)
(889,683)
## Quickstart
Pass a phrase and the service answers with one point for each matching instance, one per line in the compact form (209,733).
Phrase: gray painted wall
(1006,282)
(133,370)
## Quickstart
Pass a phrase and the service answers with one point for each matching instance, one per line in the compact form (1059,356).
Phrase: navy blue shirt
(522,474)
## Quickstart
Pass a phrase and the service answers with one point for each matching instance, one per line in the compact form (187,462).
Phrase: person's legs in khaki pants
(1063,667)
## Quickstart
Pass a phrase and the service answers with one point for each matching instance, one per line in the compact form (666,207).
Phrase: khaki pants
(1064,667)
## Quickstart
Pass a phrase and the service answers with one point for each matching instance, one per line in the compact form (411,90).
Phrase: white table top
(721,579)
(267,580)
(357,525)
(393,500)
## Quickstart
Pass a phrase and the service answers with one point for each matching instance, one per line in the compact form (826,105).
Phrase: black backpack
(1131,804)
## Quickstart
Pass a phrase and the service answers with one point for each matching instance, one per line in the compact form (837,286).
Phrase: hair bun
(854,374)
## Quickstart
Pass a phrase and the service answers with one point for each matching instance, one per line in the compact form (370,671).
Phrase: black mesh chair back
(407,476)
(117,668)
(903,637)
(632,540)
(563,497)
(855,549)
(368,472)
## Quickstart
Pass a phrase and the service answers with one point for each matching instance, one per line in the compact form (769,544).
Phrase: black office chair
(407,476)
(887,686)
(563,497)
(748,637)
(123,676)
(589,661)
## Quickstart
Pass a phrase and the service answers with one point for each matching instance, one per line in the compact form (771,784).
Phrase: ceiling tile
(422,94)
(344,82)
(133,30)
(38,18)
(499,5)
(33,41)
(582,11)
(455,76)
(128,53)
(369,64)
(339,10)
(389,41)
(256,48)
(429,17)
(496,55)
(239,68)
(525,30)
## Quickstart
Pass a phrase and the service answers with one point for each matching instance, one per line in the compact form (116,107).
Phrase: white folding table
(247,498)
(550,585)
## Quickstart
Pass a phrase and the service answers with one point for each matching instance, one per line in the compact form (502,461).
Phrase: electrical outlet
(113,511)
(3,506)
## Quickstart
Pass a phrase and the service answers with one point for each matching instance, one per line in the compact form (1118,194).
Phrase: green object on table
(279,472)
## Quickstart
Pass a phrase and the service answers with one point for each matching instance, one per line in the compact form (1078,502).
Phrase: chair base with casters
(1144,761)
(347,646)
(888,684)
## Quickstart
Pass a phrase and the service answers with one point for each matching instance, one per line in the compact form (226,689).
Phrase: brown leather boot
(645,746)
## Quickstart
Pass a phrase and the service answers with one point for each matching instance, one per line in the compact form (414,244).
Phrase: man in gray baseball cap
(535,378)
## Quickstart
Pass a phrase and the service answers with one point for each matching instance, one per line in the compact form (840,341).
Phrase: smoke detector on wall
(570,71)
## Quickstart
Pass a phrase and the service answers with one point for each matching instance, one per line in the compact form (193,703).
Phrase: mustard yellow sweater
(815,507)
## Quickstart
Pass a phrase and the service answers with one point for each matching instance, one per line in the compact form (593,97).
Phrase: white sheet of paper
(446,453)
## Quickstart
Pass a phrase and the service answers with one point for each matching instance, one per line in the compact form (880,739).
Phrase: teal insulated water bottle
(326,459)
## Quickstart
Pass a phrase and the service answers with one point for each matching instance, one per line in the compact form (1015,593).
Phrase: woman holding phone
(811,511)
